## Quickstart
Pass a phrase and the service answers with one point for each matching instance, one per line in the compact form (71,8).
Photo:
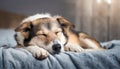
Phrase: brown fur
(38,34)
(78,38)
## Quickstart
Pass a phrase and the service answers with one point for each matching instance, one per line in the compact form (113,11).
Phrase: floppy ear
(64,22)
(27,32)
(27,26)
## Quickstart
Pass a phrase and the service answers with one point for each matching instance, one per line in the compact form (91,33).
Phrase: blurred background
(98,18)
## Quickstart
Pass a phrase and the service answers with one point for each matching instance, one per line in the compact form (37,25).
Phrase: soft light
(99,1)
(109,1)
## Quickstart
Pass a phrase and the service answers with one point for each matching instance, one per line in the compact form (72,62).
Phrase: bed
(19,58)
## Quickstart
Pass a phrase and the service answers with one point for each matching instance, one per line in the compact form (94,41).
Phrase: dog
(42,34)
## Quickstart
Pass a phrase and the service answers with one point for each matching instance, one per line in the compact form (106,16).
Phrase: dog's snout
(56,47)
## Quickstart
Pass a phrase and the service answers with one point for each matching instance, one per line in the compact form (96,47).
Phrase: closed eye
(44,35)
(57,32)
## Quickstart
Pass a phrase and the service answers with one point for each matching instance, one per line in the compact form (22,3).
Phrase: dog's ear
(26,30)
(64,22)
(27,26)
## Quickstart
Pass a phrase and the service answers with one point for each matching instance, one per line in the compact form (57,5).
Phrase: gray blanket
(11,58)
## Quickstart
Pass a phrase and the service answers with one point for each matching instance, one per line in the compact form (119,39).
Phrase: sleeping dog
(42,34)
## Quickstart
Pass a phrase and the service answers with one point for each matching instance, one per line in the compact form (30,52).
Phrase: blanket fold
(19,58)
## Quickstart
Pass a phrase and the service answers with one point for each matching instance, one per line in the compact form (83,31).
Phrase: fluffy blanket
(11,58)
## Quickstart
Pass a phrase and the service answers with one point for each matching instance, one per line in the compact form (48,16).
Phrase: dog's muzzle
(56,47)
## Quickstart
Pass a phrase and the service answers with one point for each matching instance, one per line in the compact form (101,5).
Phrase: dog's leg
(91,44)
(80,49)
(74,48)
(37,52)
(88,42)
(88,50)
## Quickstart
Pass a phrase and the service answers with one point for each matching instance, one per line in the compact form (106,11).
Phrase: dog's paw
(73,48)
(37,52)
(40,54)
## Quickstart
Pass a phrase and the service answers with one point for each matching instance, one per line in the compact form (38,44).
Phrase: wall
(10,20)
(99,18)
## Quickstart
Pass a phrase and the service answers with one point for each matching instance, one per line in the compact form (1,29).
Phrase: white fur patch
(37,52)
(90,43)
(62,37)
(74,47)
(37,16)
(20,38)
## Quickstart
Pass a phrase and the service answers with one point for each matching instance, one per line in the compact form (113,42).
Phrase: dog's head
(46,32)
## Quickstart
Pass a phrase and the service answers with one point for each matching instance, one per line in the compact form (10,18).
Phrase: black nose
(56,47)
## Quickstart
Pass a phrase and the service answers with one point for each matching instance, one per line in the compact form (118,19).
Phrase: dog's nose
(56,47)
